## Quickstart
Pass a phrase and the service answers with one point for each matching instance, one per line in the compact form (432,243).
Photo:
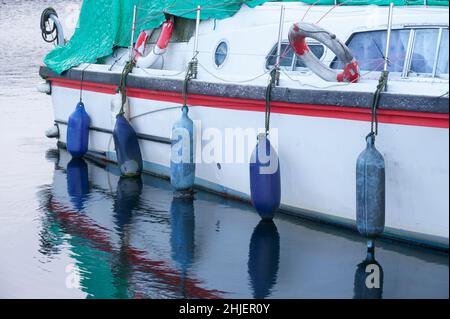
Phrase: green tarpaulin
(105,23)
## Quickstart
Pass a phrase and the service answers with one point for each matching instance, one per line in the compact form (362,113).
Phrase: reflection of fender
(158,50)
(182,238)
(300,31)
(264,258)
(369,271)
(77,182)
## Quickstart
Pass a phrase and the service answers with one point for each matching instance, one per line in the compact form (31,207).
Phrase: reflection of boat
(234,58)
(369,277)
(263,258)
(126,248)
(113,260)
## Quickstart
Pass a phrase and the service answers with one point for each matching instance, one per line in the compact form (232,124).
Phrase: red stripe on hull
(315,110)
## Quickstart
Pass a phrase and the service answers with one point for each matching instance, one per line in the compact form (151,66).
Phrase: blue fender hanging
(77,182)
(182,166)
(370,191)
(78,131)
(370,178)
(265,181)
(264,258)
(126,143)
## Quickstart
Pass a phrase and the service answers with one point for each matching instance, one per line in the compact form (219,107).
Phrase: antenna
(280,35)
(388,37)
(197,26)
(133,29)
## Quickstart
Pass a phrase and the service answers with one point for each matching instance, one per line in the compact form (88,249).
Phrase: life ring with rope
(302,30)
(147,61)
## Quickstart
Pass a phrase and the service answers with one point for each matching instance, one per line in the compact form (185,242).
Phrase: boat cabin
(243,48)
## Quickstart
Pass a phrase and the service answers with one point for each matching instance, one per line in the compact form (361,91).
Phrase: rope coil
(47,28)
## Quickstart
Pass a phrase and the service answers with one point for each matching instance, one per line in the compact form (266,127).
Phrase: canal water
(75,229)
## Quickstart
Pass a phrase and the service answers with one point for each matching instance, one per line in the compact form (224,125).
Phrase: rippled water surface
(74,229)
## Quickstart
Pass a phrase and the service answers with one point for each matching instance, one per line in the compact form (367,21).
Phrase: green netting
(104,24)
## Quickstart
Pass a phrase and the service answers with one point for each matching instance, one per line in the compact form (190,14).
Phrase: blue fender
(370,191)
(77,182)
(78,131)
(126,143)
(264,258)
(265,181)
(182,166)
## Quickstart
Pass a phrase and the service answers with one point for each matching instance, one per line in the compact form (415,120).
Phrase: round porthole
(220,54)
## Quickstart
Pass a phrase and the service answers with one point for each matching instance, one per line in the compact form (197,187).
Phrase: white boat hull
(317,157)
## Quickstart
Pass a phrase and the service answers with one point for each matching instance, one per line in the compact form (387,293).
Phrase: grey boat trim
(388,101)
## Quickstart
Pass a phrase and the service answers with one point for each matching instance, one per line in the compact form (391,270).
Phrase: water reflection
(111,258)
(182,236)
(127,199)
(77,182)
(369,277)
(264,258)
(131,238)
(182,239)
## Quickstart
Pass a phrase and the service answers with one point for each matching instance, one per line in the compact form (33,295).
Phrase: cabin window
(423,52)
(220,53)
(429,53)
(317,49)
(412,52)
(442,61)
(368,49)
(289,61)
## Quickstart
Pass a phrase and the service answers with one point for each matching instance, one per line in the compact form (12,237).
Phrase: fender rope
(376,99)
(268,97)
(191,73)
(81,82)
(123,81)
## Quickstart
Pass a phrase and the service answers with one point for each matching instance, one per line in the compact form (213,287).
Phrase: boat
(317,126)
